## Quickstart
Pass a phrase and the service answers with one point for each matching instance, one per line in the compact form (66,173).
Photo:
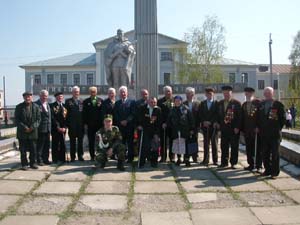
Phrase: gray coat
(45,124)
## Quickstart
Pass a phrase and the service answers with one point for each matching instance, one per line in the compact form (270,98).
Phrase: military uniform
(59,113)
(165,135)
(229,118)
(109,139)
(249,123)
(150,121)
(271,121)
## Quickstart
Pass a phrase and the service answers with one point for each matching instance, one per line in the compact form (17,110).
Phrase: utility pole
(271,64)
(4,102)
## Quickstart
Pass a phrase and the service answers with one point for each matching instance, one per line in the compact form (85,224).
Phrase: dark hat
(209,89)
(108,117)
(178,97)
(58,93)
(227,88)
(249,89)
(26,93)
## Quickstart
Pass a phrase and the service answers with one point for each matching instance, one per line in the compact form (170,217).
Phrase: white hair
(44,92)
(111,89)
(75,88)
(269,89)
(93,88)
(123,88)
(167,88)
(190,90)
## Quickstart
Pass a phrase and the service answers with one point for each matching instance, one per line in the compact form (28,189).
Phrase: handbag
(192,145)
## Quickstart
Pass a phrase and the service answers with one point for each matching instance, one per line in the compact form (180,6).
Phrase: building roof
(78,59)
(276,68)
(228,62)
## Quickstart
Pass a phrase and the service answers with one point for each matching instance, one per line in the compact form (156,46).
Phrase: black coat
(151,125)
(165,107)
(74,118)
(124,111)
(206,114)
(45,124)
(58,117)
(272,122)
(24,120)
(195,112)
(93,115)
(250,120)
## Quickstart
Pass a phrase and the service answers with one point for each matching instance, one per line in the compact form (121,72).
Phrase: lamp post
(270,52)
(278,84)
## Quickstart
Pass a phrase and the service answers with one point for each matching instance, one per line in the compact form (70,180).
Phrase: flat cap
(227,88)
(249,89)
(58,93)
(26,93)
(209,89)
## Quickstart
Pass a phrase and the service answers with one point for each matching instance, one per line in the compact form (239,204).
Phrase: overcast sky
(32,30)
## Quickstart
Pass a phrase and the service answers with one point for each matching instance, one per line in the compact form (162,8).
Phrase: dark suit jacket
(165,109)
(195,111)
(124,111)
(272,122)
(92,115)
(108,106)
(58,117)
(250,120)
(151,125)
(23,120)
(45,124)
(206,114)
(74,117)
(233,108)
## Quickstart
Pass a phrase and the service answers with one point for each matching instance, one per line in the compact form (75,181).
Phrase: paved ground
(80,194)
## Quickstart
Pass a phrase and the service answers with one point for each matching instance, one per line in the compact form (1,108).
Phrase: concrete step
(8,147)
(293,135)
(290,151)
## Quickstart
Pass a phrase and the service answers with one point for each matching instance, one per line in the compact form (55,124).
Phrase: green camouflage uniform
(113,139)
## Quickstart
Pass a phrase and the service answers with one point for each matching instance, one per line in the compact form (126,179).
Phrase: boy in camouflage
(109,142)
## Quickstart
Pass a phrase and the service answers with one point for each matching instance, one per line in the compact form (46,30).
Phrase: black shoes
(249,168)
(121,166)
(33,167)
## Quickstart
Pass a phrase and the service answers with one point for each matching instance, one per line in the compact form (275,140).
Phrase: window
(231,77)
(76,79)
(89,79)
(50,79)
(166,56)
(261,84)
(244,78)
(167,78)
(37,79)
(275,84)
(63,79)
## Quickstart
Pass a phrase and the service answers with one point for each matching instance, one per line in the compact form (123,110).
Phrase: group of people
(166,127)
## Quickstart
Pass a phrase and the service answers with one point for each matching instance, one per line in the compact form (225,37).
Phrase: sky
(33,30)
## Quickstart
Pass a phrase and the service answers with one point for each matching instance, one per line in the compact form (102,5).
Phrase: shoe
(187,164)
(33,167)
(47,163)
(178,162)
(233,167)
(249,168)
(195,160)
(215,164)
(129,161)
(92,159)
(162,161)
(154,164)
(24,168)
(121,166)
(72,160)
(81,159)
(273,177)
(265,174)
(41,164)
(102,165)
(204,163)
(259,170)
(222,165)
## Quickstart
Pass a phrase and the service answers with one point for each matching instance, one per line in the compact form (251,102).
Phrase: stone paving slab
(158,203)
(15,186)
(207,200)
(241,185)
(294,194)
(292,169)
(45,205)
(58,188)
(7,201)
(168,218)
(68,176)
(51,167)
(202,185)
(272,198)
(112,175)
(196,174)
(27,175)
(285,184)
(235,174)
(3,173)
(93,220)
(155,187)
(227,216)
(30,220)
(89,203)
(278,215)
(108,187)
(155,175)
(75,167)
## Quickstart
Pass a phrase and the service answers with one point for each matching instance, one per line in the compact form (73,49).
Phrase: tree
(206,48)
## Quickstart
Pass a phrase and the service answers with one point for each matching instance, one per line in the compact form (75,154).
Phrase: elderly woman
(180,121)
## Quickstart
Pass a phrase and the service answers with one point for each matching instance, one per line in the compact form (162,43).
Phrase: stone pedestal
(146,47)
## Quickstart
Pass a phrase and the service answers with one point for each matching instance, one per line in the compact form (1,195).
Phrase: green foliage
(206,48)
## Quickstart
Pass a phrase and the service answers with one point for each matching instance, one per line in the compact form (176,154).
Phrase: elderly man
(28,117)
(43,142)
(59,128)
(270,123)
(109,103)
(124,113)
(166,104)
(229,121)
(208,114)
(193,105)
(144,98)
(92,118)
(74,121)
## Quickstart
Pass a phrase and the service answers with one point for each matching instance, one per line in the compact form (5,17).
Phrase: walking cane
(164,147)
(140,148)
(68,160)
(255,150)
